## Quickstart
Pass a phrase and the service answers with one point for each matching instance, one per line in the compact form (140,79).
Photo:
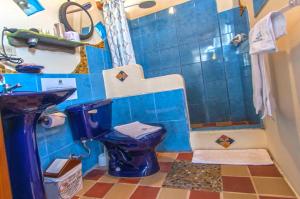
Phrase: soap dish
(29,68)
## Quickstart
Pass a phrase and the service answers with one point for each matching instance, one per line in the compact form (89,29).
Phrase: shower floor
(221,124)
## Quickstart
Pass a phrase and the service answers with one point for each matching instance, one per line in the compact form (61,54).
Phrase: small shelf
(46,42)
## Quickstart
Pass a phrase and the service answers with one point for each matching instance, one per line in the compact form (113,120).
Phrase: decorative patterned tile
(185,175)
(121,76)
(225,141)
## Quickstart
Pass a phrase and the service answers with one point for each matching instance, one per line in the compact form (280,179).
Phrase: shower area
(194,40)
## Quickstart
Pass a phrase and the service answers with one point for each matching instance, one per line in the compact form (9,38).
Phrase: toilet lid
(137,130)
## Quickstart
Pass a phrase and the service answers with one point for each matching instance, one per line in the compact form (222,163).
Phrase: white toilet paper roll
(54,120)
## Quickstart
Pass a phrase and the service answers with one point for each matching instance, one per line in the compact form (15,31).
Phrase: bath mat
(233,157)
(185,175)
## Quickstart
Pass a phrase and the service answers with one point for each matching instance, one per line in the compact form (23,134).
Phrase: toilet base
(132,163)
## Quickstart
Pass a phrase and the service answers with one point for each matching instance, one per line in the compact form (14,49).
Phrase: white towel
(137,130)
(233,157)
(263,40)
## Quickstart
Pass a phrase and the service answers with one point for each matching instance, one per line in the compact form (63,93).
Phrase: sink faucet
(6,87)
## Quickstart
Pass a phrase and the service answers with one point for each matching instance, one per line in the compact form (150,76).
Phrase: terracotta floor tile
(168,193)
(197,126)
(227,195)
(268,197)
(233,170)
(185,156)
(108,179)
(167,157)
(237,184)
(143,192)
(129,180)
(87,184)
(266,171)
(165,166)
(120,191)
(272,186)
(204,195)
(98,190)
(239,123)
(94,174)
(155,180)
(221,124)
(213,124)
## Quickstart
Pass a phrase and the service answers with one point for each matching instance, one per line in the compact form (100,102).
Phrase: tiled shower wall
(195,42)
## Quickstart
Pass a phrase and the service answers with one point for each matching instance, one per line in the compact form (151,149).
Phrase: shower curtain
(118,34)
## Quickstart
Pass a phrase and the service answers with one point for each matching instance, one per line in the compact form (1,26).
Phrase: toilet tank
(90,120)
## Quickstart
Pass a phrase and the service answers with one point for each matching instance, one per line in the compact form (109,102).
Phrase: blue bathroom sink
(20,112)
(25,102)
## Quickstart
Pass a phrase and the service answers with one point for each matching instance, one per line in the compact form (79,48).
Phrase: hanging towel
(262,39)
(137,130)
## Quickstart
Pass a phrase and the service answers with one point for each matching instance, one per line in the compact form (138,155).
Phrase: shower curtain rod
(292,4)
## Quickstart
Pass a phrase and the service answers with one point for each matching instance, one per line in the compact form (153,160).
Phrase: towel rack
(292,4)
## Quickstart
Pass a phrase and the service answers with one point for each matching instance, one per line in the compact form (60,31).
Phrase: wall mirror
(76,18)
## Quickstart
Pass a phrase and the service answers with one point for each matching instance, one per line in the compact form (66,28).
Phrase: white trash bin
(66,186)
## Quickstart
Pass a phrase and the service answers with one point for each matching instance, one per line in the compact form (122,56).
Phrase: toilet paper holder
(44,118)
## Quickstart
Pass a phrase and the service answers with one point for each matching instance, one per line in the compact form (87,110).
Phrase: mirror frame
(63,19)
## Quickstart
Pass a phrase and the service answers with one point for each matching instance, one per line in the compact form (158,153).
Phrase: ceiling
(136,12)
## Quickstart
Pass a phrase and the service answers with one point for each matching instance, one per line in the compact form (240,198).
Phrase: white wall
(283,132)
(12,16)
(136,84)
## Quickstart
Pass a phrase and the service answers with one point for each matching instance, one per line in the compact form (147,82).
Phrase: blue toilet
(128,157)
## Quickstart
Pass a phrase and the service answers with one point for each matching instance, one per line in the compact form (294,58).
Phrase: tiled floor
(238,182)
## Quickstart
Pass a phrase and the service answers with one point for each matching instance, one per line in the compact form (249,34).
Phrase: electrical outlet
(10,50)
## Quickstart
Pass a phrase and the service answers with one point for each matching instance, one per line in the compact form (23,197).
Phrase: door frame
(5,189)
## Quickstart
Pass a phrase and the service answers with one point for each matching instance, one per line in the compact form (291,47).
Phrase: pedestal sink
(20,112)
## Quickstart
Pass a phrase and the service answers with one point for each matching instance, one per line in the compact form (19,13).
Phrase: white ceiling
(136,12)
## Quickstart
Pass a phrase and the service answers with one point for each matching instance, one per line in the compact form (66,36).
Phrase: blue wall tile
(189,53)
(177,138)
(143,108)
(169,57)
(121,113)
(170,105)
(185,43)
